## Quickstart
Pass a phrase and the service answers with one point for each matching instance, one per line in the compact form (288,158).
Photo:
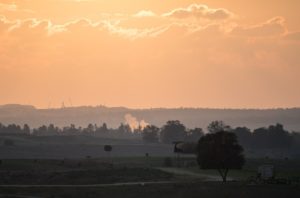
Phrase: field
(78,167)
(135,177)
(60,147)
(192,190)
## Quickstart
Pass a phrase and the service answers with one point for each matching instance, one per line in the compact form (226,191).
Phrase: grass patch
(191,190)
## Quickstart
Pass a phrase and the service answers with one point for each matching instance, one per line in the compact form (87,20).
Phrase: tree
(124,129)
(279,137)
(217,126)
(90,129)
(194,135)
(150,134)
(275,136)
(103,130)
(13,129)
(173,131)
(220,151)
(52,130)
(26,129)
(42,130)
(244,136)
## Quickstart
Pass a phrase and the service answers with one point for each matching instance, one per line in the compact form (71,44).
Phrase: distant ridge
(113,116)
(11,106)
(16,106)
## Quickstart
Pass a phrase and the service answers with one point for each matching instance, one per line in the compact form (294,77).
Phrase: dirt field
(56,147)
(132,177)
(180,190)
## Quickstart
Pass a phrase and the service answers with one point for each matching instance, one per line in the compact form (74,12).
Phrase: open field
(137,177)
(179,190)
(75,172)
(146,166)
(283,169)
(60,147)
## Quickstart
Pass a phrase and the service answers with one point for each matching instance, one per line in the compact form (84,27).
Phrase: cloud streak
(13,8)
(200,11)
(272,27)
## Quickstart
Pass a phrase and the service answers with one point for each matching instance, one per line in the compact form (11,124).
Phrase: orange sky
(150,53)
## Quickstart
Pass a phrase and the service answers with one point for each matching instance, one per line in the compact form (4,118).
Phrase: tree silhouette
(244,136)
(194,135)
(217,126)
(102,130)
(26,129)
(173,131)
(220,151)
(272,137)
(124,129)
(150,134)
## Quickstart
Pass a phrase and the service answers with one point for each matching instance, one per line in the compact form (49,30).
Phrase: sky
(150,53)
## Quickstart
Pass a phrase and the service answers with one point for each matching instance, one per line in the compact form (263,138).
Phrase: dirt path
(183,172)
(17,196)
(89,185)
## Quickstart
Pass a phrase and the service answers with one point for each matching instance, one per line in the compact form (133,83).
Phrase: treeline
(123,131)
(172,131)
(273,136)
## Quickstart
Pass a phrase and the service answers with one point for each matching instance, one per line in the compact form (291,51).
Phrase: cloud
(8,7)
(272,27)
(13,8)
(79,1)
(144,13)
(200,11)
(4,24)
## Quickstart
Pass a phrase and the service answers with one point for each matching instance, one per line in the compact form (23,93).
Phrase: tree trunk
(223,173)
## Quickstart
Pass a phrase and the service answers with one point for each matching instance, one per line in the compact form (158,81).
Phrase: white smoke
(134,123)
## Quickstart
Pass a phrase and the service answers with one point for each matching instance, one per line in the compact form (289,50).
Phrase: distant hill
(113,116)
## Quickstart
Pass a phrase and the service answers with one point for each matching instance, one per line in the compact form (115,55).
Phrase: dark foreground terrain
(132,177)
(179,190)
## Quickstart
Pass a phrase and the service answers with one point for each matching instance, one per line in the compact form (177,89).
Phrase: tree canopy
(220,151)
(150,134)
(173,131)
(218,125)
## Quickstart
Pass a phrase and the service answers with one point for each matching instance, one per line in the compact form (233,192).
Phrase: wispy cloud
(8,7)
(273,27)
(200,11)
(145,13)
(13,8)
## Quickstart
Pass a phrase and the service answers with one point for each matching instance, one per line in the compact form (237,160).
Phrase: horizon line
(151,108)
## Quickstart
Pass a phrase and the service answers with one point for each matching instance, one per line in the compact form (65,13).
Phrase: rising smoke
(134,123)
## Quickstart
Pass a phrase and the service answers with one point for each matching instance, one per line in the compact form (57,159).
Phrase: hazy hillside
(113,116)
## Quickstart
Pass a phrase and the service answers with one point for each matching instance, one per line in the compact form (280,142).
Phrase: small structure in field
(265,172)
